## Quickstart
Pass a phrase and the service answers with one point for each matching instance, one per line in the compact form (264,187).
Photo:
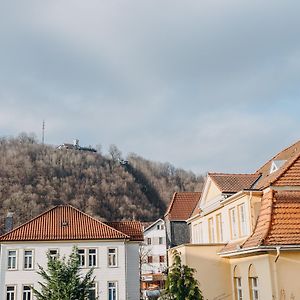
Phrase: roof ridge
(55,207)
(98,221)
(285,149)
(216,173)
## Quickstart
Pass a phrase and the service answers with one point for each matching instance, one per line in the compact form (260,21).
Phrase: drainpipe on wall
(276,273)
(278,253)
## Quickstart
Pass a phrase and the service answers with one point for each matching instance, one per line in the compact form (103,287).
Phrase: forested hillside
(34,177)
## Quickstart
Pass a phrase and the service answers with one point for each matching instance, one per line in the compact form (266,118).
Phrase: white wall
(155,249)
(103,273)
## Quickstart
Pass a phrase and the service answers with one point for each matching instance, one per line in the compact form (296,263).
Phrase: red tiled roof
(63,222)
(134,229)
(182,205)
(263,222)
(290,155)
(233,183)
(278,222)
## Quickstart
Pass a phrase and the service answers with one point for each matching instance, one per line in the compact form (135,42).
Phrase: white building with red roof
(112,249)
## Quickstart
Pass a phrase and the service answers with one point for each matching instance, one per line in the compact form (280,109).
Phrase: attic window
(276,165)
(64,223)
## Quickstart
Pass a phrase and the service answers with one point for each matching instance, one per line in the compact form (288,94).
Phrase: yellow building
(245,232)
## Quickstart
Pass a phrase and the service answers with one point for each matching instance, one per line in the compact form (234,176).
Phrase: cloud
(202,84)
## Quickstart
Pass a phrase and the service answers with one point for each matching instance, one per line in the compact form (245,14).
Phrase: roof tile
(65,222)
(182,205)
(233,183)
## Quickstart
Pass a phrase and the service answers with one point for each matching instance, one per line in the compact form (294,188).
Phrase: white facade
(154,249)
(122,275)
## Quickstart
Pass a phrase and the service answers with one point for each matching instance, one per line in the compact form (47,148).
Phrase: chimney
(9,222)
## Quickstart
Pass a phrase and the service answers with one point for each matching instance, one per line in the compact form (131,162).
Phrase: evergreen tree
(180,283)
(63,281)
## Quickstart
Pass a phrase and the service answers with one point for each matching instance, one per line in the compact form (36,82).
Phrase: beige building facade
(245,233)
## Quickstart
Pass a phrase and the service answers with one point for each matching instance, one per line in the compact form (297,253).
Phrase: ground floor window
(93,292)
(27,294)
(11,292)
(238,288)
(112,290)
(254,288)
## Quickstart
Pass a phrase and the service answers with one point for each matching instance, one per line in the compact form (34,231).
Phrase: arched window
(253,283)
(237,283)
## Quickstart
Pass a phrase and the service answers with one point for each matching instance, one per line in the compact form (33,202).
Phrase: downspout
(275,271)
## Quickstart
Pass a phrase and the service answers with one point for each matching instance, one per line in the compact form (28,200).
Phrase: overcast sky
(206,85)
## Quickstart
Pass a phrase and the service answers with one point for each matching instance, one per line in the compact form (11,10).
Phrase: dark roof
(182,205)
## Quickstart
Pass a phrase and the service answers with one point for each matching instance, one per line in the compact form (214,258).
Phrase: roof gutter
(261,249)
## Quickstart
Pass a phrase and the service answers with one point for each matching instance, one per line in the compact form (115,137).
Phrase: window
(112,291)
(233,223)
(28,259)
(162,227)
(149,259)
(26,292)
(148,241)
(92,292)
(238,288)
(81,254)
(254,288)
(161,259)
(12,260)
(112,257)
(11,292)
(219,228)
(253,283)
(211,230)
(53,253)
(197,233)
(160,240)
(158,227)
(92,257)
(242,220)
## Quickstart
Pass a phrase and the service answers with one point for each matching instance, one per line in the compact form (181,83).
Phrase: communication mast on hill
(43,132)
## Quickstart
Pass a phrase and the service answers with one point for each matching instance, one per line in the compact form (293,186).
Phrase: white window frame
(113,289)
(238,287)
(27,291)
(82,259)
(211,230)
(219,227)
(95,288)
(243,226)
(160,240)
(149,241)
(233,223)
(92,256)
(12,260)
(27,259)
(53,255)
(254,288)
(12,294)
(112,257)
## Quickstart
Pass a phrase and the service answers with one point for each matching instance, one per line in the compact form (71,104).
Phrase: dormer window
(276,165)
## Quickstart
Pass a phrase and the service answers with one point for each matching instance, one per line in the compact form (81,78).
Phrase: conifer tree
(63,281)
(180,283)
